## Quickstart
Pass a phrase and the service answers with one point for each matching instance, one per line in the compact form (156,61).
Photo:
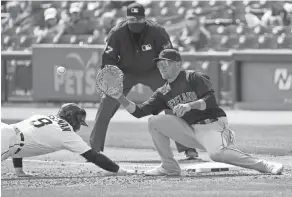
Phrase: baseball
(61,70)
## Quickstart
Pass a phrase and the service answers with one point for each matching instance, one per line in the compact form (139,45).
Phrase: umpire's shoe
(191,154)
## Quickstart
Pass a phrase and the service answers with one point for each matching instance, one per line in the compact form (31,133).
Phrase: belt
(21,144)
(207,121)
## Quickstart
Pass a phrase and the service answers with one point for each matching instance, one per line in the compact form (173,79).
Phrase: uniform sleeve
(75,143)
(111,52)
(154,105)
(202,86)
(163,41)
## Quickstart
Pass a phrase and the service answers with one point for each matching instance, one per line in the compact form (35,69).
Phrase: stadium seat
(259,30)
(231,29)
(181,10)
(232,42)
(27,41)
(82,39)
(284,42)
(214,42)
(267,42)
(223,44)
(247,42)
(67,39)
(214,3)
(212,29)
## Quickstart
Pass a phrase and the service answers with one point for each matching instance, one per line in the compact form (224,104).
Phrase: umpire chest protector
(135,57)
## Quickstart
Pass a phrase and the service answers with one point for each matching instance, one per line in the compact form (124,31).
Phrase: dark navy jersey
(131,57)
(188,86)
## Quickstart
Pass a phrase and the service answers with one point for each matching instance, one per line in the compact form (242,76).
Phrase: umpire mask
(136,27)
(135,24)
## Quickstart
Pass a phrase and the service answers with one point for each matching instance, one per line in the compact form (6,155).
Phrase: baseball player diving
(131,45)
(198,121)
(42,134)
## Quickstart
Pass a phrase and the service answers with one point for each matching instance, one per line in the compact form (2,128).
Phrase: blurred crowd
(192,25)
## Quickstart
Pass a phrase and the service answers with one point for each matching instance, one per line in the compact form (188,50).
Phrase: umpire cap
(136,9)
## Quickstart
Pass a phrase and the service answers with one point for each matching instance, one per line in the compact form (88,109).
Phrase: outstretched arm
(154,105)
(104,162)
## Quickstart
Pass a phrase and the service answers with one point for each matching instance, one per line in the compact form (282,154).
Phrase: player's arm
(101,160)
(111,51)
(202,85)
(75,143)
(154,105)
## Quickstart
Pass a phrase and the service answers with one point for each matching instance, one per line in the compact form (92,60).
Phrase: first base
(210,167)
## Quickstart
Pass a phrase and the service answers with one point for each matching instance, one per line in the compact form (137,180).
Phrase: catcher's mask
(73,114)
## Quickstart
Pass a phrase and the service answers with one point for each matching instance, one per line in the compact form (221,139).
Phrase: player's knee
(160,121)
(155,122)
(217,156)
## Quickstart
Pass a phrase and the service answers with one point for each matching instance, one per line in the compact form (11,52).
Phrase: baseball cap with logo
(50,13)
(170,55)
(136,9)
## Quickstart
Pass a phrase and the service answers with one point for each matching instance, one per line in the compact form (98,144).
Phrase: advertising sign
(78,84)
(267,82)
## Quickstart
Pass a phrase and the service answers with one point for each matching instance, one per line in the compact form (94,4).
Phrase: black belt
(21,144)
(207,121)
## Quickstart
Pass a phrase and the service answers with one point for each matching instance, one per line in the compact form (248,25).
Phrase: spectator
(251,19)
(194,36)
(276,16)
(107,21)
(77,24)
(53,26)
(10,23)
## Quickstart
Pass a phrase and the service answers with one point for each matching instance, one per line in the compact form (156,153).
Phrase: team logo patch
(134,10)
(146,47)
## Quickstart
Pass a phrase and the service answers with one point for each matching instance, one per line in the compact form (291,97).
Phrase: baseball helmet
(73,114)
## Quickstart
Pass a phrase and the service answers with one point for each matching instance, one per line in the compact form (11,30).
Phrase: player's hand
(123,171)
(20,173)
(181,109)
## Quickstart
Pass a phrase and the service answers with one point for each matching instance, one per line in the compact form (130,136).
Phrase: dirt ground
(59,178)
(65,174)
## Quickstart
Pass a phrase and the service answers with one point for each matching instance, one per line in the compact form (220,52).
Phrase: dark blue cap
(169,54)
(136,9)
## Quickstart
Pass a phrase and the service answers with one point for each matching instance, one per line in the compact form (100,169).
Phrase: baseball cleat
(274,168)
(159,171)
(191,154)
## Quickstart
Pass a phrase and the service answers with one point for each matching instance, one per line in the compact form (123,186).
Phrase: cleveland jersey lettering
(185,97)
(189,86)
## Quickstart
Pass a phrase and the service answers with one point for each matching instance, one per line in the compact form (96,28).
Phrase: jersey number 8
(41,122)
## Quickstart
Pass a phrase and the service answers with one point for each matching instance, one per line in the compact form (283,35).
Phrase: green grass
(274,140)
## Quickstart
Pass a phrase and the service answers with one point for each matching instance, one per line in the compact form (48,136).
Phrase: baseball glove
(110,81)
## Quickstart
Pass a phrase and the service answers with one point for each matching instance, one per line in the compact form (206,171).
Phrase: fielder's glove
(110,81)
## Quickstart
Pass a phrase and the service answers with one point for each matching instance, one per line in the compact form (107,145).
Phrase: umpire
(131,45)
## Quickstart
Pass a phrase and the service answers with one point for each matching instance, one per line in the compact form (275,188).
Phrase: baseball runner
(42,134)
(198,121)
(131,45)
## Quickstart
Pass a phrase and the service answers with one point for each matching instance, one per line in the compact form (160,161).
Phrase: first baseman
(40,134)
(198,121)
(131,45)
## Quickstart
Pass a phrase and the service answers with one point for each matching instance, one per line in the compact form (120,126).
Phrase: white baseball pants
(215,138)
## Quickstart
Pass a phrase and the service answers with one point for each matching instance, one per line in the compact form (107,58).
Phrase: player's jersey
(122,50)
(46,134)
(188,86)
